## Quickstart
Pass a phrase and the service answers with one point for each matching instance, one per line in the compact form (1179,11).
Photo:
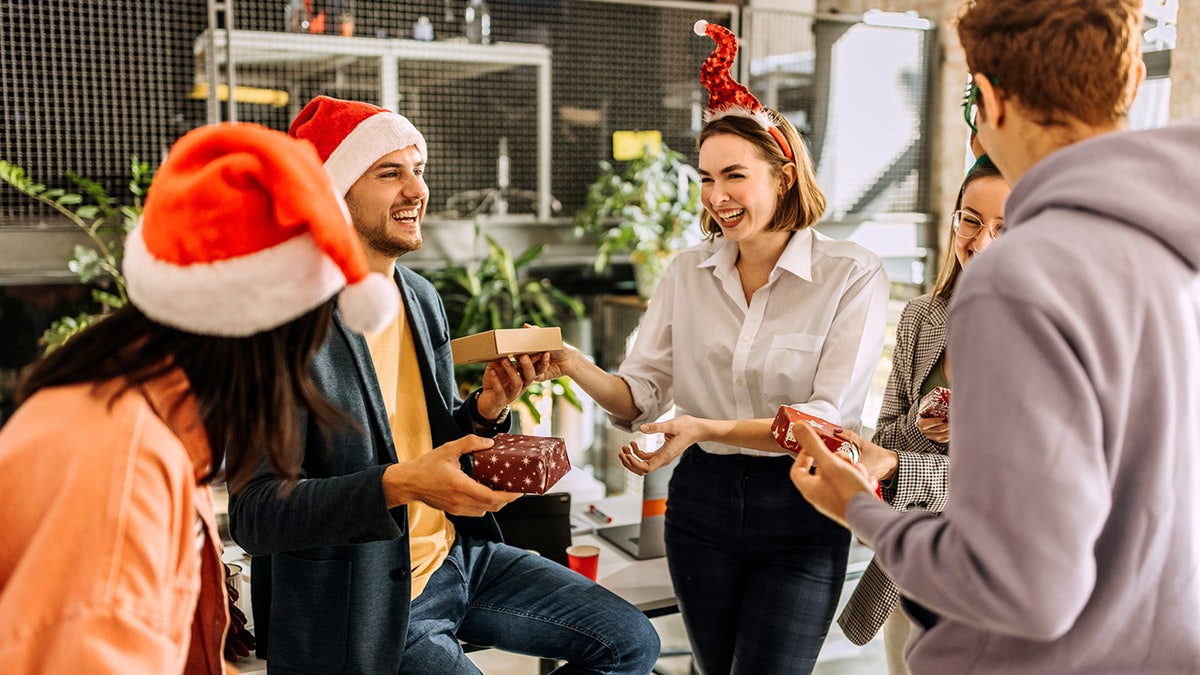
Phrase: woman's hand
(678,434)
(936,429)
(879,462)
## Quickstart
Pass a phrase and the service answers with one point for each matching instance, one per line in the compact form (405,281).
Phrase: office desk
(646,584)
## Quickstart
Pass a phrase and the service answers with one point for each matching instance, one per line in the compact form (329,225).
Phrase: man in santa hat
(385,557)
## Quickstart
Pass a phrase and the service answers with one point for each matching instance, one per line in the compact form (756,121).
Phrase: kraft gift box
(504,342)
(518,463)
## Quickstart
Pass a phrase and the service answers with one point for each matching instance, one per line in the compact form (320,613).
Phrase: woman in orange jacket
(109,552)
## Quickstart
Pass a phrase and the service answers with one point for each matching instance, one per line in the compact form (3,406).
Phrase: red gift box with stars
(935,404)
(518,463)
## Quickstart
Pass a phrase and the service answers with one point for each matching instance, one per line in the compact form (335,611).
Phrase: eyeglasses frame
(957,217)
(971,101)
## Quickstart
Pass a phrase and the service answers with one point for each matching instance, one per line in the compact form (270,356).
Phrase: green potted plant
(645,211)
(105,222)
(499,292)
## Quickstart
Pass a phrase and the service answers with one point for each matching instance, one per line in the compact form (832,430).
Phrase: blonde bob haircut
(800,205)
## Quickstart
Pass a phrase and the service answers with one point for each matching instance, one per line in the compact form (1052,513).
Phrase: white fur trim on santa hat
(370,305)
(373,138)
(236,297)
(759,116)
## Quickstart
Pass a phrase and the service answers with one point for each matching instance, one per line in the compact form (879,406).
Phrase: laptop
(540,523)
(644,539)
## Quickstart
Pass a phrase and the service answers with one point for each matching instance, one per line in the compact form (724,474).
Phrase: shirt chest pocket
(791,364)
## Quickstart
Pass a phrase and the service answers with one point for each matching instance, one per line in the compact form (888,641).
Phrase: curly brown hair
(1059,59)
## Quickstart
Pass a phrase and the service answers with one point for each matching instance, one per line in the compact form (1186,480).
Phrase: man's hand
(437,479)
(504,380)
(827,481)
(678,434)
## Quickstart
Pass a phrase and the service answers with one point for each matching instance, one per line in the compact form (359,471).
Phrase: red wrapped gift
(935,404)
(517,463)
(784,431)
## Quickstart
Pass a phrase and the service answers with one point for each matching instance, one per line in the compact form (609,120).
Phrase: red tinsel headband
(725,96)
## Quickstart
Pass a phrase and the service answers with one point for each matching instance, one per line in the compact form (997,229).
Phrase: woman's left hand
(879,462)
(678,434)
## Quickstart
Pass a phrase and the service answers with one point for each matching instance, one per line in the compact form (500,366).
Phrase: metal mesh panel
(860,93)
(85,85)
(609,66)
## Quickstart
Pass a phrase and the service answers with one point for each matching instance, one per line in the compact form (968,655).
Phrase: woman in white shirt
(766,312)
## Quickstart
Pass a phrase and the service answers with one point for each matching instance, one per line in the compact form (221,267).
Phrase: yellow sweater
(394,354)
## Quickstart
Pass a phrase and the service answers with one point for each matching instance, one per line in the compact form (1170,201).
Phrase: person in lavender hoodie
(1070,542)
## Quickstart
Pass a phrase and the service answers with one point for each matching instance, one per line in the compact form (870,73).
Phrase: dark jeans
(495,595)
(756,569)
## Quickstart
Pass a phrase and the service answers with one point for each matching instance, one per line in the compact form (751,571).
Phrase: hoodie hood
(1148,180)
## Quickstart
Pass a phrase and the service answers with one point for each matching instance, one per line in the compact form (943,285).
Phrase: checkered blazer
(920,479)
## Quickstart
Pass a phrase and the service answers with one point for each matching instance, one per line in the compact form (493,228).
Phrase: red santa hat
(242,232)
(351,136)
(725,95)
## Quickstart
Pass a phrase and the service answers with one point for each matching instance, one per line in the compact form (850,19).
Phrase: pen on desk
(598,514)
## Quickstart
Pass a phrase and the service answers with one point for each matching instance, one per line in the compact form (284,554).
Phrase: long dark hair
(948,275)
(248,389)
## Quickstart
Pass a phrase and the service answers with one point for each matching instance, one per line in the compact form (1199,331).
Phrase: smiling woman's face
(737,186)
(984,200)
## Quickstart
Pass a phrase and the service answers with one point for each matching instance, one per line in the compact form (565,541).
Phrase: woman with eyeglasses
(908,454)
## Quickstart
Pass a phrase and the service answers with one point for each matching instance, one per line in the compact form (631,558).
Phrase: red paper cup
(584,559)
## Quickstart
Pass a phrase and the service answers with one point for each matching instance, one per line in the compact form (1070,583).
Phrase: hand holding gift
(826,483)
(518,463)
(787,432)
(933,415)
(935,404)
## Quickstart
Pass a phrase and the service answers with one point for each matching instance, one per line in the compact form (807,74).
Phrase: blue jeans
(495,595)
(757,571)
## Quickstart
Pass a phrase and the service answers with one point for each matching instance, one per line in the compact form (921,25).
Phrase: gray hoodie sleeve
(1029,492)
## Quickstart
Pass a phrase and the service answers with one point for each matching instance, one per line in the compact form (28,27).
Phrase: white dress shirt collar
(796,257)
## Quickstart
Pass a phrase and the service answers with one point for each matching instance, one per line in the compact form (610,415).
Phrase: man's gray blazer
(331,573)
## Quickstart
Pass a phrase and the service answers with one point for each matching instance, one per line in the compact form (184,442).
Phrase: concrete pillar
(1185,62)
(950,132)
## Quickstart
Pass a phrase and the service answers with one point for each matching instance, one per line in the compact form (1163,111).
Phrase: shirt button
(745,338)
(739,382)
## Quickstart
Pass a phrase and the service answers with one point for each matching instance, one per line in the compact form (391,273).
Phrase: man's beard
(382,242)
(378,237)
